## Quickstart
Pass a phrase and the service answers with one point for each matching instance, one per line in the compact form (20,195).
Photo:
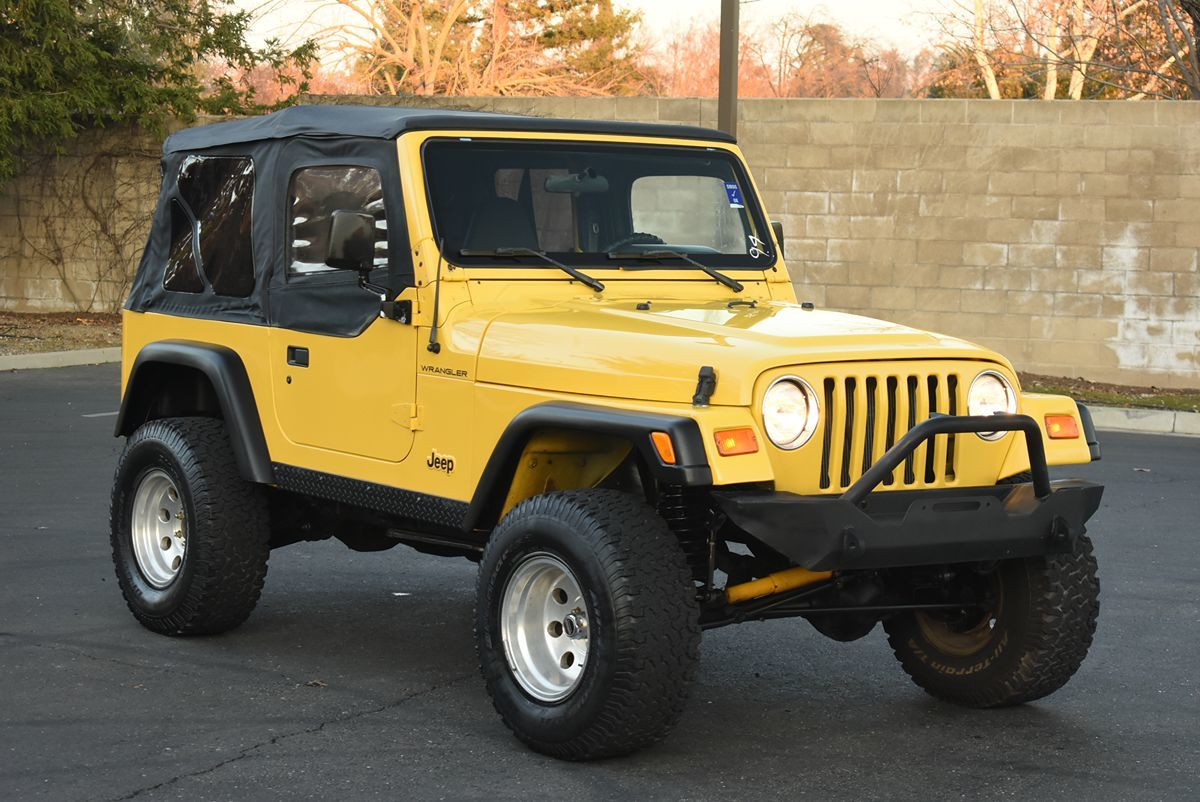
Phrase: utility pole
(727,81)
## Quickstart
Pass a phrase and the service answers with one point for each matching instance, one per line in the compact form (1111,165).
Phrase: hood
(615,349)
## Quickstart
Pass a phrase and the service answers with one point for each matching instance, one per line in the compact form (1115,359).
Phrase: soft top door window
(316,193)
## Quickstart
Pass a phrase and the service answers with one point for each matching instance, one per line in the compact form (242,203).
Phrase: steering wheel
(636,238)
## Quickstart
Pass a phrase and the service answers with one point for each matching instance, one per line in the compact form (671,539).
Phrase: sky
(900,23)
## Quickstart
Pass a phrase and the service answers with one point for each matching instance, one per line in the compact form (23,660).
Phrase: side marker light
(731,442)
(664,447)
(1061,427)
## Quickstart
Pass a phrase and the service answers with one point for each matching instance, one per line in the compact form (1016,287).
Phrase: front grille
(865,414)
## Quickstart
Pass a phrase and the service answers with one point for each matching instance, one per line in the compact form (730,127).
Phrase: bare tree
(979,48)
(1105,48)
(808,57)
(485,47)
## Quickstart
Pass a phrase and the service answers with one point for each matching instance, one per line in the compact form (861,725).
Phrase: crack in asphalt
(250,750)
(177,669)
(79,651)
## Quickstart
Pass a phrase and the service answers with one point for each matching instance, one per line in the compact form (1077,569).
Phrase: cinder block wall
(1063,233)
(73,226)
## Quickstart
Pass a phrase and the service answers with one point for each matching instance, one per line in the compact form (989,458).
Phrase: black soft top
(387,122)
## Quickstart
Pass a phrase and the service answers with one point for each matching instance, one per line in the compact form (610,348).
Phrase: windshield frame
(599,260)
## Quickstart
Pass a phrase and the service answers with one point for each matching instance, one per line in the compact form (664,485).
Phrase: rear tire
(189,535)
(604,564)
(1029,646)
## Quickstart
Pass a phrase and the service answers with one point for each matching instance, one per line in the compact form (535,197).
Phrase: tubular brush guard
(862,530)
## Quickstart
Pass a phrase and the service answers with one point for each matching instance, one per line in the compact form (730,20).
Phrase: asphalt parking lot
(356,677)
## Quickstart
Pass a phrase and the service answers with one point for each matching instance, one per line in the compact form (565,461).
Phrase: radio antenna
(434,345)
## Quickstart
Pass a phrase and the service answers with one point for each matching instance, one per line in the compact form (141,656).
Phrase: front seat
(500,223)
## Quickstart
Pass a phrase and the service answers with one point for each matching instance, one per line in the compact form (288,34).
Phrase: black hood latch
(705,386)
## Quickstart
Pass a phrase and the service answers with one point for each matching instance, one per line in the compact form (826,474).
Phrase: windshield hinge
(399,311)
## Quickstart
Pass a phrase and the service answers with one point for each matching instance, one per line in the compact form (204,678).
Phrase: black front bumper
(861,529)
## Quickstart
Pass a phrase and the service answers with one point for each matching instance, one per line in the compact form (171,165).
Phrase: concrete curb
(60,359)
(1154,421)
(1110,419)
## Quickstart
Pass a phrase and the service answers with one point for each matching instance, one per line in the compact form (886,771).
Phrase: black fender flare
(1089,431)
(231,384)
(691,466)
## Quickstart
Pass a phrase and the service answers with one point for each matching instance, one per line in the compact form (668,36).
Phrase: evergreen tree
(69,65)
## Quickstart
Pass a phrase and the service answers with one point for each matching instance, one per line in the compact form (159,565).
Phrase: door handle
(297,356)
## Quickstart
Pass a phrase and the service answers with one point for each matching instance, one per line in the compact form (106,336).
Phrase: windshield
(581,203)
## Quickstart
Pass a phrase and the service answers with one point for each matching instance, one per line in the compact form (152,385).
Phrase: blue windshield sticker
(735,195)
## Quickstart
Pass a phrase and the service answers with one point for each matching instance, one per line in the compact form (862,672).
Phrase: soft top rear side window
(181,274)
(210,226)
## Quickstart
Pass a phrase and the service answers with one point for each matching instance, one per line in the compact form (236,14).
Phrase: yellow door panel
(356,395)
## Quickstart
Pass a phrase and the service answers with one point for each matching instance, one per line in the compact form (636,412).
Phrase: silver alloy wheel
(158,528)
(544,626)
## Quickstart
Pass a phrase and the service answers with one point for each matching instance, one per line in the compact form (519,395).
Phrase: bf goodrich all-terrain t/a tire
(189,535)
(1026,647)
(586,624)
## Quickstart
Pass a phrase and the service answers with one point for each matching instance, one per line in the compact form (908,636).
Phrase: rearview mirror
(583,183)
(351,241)
(777,227)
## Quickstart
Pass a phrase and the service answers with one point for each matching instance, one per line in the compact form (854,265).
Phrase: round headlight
(991,394)
(790,412)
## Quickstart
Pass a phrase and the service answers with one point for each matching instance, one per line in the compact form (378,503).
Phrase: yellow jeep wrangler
(571,352)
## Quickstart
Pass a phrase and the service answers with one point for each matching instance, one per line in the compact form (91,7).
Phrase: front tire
(189,535)
(586,624)
(1027,645)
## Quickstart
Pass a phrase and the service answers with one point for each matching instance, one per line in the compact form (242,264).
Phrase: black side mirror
(777,227)
(351,241)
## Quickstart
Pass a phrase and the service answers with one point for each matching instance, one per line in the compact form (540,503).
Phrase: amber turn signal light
(731,442)
(1061,427)
(664,447)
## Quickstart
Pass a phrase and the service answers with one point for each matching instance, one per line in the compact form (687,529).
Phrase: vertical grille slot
(828,439)
(893,410)
(911,384)
(952,388)
(868,454)
(935,444)
(848,432)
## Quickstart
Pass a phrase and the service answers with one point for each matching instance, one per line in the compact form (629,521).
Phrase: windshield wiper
(578,275)
(660,254)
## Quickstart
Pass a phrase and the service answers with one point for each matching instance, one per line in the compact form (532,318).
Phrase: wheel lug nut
(575,625)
